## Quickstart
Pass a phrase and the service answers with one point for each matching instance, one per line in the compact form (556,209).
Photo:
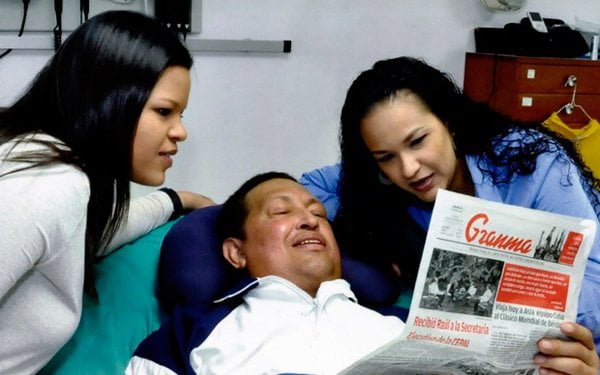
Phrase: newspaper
(493,280)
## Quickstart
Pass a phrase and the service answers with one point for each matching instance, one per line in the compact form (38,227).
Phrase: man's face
(288,235)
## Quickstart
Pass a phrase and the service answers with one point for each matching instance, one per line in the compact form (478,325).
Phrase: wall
(252,112)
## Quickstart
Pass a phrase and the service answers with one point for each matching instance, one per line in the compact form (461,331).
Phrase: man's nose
(308,220)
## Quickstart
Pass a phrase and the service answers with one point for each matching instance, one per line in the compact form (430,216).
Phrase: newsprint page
(493,279)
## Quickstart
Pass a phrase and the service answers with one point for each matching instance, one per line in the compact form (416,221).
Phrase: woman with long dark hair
(407,131)
(104,111)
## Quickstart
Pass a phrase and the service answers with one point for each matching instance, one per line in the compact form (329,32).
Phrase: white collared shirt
(280,328)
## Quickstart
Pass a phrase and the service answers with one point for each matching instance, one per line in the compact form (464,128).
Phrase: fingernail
(546,344)
(538,359)
(568,327)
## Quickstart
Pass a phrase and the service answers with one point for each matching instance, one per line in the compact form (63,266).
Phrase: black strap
(177,205)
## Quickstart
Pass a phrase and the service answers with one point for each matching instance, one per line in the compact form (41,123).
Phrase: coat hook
(569,108)
(571,80)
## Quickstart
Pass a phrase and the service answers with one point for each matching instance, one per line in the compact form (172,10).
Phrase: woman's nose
(410,165)
(178,132)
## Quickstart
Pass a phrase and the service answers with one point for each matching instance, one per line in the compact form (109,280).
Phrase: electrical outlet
(40,16)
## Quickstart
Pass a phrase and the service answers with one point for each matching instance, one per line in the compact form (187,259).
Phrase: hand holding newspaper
(493,280)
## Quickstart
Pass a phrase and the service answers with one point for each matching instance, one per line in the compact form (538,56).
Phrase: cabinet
(531,88)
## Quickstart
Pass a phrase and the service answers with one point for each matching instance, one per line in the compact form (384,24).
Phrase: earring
(384,180)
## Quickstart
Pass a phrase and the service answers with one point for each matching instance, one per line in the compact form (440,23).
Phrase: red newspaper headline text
(454,341)
(476,231)
(447,324)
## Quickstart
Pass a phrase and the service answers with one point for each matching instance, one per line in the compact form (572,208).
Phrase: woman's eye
(164,111)
(384,158)
(417,141)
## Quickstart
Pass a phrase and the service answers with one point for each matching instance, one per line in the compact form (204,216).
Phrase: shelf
(45,41)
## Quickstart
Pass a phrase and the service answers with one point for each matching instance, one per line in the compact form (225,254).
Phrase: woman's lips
(166,157)
(423,184)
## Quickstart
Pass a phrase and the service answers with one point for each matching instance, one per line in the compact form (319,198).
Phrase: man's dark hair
(230,222)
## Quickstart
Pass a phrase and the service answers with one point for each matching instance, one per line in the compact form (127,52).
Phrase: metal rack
(44,41)
(40,22)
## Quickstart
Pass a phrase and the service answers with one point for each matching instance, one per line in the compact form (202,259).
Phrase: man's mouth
(309,241)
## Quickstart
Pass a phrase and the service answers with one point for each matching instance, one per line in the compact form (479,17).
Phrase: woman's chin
(427,196)
(150,180)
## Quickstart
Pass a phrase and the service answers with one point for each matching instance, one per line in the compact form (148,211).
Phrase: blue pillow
(192,268)
(128,311)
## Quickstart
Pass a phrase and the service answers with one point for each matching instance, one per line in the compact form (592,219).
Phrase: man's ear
(232,251)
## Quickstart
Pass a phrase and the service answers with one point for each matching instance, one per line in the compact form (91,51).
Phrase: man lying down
(291,312)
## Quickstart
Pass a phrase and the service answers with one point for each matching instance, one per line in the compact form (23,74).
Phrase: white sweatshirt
(42,240)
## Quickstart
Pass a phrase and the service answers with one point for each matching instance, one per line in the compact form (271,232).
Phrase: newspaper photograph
(493,280)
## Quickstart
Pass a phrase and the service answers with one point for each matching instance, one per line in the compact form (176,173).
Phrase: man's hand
(577,357)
